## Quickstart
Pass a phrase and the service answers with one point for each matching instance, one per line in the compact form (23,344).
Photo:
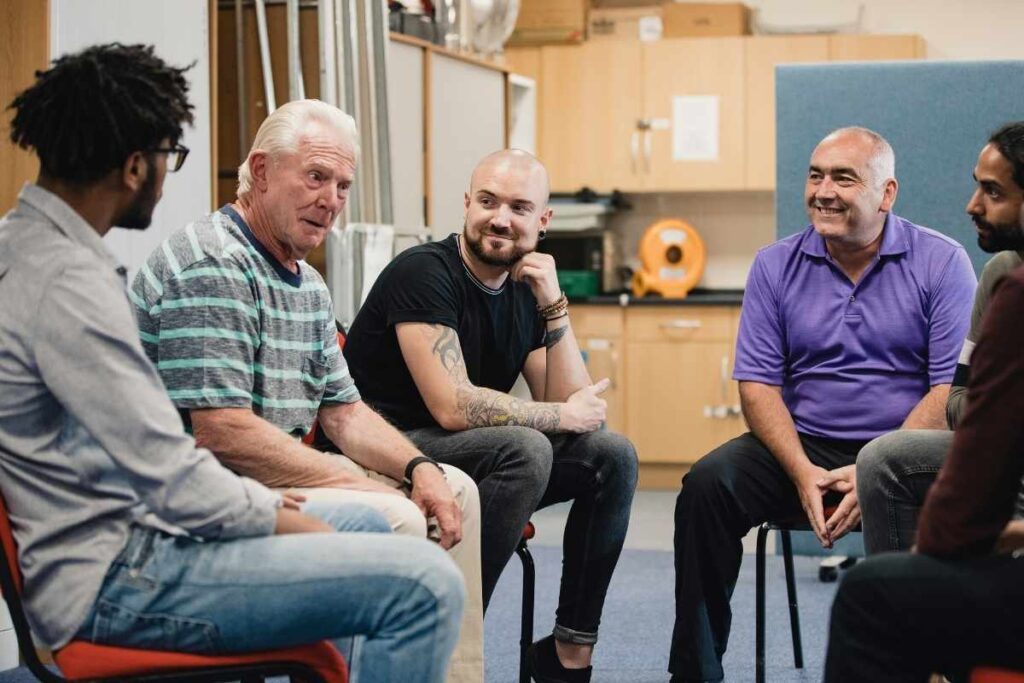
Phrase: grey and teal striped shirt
(228,326)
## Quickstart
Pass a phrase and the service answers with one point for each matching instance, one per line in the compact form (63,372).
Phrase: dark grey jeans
(894,473)
(519,470)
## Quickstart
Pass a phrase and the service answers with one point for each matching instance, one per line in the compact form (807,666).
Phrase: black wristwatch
(418,460)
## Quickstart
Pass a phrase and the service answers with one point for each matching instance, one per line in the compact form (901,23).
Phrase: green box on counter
(579,283)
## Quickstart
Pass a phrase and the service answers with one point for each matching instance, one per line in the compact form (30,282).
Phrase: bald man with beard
(444,334)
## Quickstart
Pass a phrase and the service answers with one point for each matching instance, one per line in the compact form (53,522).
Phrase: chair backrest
(10,588)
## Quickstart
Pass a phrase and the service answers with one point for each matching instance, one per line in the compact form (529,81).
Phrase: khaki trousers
(467,662)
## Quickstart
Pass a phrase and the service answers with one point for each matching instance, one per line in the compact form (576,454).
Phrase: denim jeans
(898,617)
(517,471)
(894,473)
(403,595)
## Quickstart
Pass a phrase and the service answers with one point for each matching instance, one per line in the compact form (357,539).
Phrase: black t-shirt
(430,284)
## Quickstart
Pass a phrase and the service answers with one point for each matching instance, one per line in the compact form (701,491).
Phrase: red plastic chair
(315,663)
(988,674)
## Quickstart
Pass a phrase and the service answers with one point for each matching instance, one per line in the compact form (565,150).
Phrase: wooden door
(599,332)
(763,54)
(680,399)
(675,68)
(590,103)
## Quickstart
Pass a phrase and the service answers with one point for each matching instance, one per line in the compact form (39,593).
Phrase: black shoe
(544,666)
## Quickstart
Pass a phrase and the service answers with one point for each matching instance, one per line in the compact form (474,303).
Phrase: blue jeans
(519,470)
(403,595)
(894,473)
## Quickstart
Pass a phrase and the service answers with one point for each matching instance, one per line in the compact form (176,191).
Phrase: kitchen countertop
(697,297)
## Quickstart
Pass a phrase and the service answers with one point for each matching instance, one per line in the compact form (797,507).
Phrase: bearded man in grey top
(895,471)
(128,534)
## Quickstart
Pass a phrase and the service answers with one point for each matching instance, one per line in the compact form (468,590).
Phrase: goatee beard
(477,248)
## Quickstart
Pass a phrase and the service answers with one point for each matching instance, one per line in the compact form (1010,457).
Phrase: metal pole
(268,74)
(296,87)
(379,54)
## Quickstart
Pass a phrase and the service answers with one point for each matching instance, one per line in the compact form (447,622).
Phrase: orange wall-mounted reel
(672,258)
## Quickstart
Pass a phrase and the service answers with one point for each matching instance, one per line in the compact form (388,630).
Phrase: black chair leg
(794,614)
(526,632)
(762,535)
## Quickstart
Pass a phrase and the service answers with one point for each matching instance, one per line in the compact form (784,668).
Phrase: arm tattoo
(484,407)
(489,408)
(552,337)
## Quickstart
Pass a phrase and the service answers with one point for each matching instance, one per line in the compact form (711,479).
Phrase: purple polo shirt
(854,360)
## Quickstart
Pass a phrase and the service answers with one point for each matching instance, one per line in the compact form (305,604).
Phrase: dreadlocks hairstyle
(1009,140)
(86,114)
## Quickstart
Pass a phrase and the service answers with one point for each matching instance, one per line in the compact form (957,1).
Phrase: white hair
(281,133)
(883,159)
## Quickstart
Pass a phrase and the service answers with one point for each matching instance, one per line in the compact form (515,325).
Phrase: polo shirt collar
(68,221)
(894,239)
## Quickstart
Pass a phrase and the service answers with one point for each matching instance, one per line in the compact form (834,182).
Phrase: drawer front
(596,321)
(681,323)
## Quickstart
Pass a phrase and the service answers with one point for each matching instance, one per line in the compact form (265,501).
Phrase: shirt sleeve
(339,386)
(973,496)
(760,345)
(420,289)
(208,334)
(90,357)
(949,315)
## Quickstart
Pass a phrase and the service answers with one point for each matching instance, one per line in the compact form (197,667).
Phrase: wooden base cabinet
(681,401)
(599,333)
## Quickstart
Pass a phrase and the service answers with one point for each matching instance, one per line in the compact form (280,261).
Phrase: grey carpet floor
(637,623)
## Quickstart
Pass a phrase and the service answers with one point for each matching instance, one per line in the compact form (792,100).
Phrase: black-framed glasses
(175,156)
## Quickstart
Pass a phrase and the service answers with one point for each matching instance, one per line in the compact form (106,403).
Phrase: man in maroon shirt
(958,600)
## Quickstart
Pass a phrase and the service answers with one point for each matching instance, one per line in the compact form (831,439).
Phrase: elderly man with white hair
(243,333)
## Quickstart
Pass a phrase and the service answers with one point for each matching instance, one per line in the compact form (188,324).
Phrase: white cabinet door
(467,122)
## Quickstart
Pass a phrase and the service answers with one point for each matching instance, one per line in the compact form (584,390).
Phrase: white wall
(953,29)
(179,29)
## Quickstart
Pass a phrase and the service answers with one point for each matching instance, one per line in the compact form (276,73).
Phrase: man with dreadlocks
(127,533)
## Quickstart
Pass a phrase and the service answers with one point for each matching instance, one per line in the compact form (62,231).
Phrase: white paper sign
(695,128)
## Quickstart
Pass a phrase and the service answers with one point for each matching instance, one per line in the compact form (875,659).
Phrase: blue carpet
(636,628)
(637,624)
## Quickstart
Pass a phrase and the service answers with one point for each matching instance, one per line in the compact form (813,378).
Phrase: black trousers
(734,488)
(900,617)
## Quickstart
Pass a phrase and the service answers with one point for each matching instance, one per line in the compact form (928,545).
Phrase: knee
(442,578)
(616,459)
(406,518)
(529,453)
(708,477)
(464,489)
(874,461)
(349,517)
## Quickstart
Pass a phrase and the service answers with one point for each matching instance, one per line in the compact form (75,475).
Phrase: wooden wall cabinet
(605,107)
(764,53)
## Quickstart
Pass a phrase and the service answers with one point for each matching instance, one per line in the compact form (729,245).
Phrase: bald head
(881,159)
(513,163)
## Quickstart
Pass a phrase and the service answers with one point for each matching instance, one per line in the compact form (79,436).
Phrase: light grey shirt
(89,440)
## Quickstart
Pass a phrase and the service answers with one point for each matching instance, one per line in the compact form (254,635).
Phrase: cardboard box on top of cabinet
(550,21)
(697,19)
(625,23)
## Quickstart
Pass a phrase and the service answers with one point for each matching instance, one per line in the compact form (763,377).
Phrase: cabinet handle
(634,149)
(681,325)
(647,150)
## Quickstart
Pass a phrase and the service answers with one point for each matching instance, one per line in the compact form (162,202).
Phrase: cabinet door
(763,55)
(867,48)
(680,398)
(590,99)
(693,66)
(604,359)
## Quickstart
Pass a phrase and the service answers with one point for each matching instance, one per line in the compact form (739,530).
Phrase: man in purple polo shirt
(849,329)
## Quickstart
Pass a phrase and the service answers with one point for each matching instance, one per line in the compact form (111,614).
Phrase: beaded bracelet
(559,305)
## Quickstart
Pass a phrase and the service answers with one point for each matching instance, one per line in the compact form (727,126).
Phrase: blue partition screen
(937,115)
